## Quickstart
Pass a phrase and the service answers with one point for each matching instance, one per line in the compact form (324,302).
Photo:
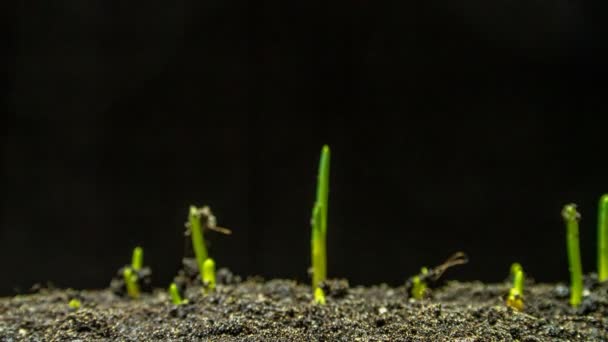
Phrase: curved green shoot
(74,304)
(516,293)
(602,239)
(209,274)
(175,297)
(571,217)
(131,282)
(137,260)
(319,222)
(198,242)
(319,296)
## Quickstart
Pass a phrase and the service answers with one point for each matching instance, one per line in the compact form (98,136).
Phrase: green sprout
(198,220)
(74,304)
(131,282)
(137,260)
(129,273)
(209,274)
(514,268)
(571,216)
(602,239)
(198,242)
(319,223)
(175,297)
(319,296)
(419,286)
(516,293)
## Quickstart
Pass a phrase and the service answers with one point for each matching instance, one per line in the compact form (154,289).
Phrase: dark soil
(256,310)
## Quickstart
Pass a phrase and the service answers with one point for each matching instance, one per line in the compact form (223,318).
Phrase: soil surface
(257,310)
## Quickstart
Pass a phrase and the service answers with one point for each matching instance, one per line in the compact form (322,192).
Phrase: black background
(454,125)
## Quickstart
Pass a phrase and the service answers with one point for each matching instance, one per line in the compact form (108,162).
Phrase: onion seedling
(516,293)
(198,241)
(130,278)
(571,217)
(602,239)
(419,286)
(200,219)
(137,259)
(130,273)
(209,274)
(175,297)
(319,224)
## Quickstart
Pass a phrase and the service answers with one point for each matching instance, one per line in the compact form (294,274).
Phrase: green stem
(514,268)
(602,239)
(323,187)
(518,282)
(319,221)
(319,259)
(209,274)
(131,283)
(198,243)
(137,260)
(571,216)
(319,296)
(175,297)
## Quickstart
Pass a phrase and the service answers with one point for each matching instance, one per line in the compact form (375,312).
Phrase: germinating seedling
(602,239)
(137,259)
(571,217)
(131,282)
(516,293)
(209,274)
(200,219)
(196,232)
(418,285)
(130,272)
(319,226)
(175,296)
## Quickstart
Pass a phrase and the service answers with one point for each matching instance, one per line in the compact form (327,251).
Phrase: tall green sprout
(319,223)
(602,239)
(198,242)
(571,217)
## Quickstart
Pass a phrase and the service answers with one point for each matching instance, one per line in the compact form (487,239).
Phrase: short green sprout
(131,282)
(419,286)
(209,274)
(198,242)
(137,260)
(74,304)
(319,296)
(516,293)
(175,297)
(602,239)
(129,273)
(319,222)
(571,217)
